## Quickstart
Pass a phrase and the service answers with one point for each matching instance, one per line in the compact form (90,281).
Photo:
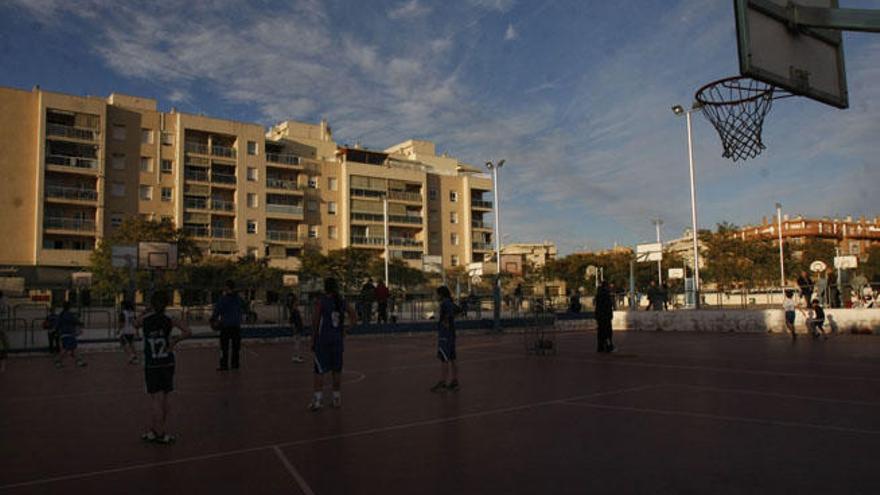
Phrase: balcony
(405,242)
(479,224)
(222,205)
(479,203)
(68,223)
(199,148)
(197,175)
(288,185)
(194,231)
(71,132)
(408,219)
(195,204)
(218,178)
(281,235)
(368,217)
(222,233)
(368,241)
(367,193)
(282,158)
(404,196)
(288,209)
(73,162)
(70,193)
(482,246)
(223,151)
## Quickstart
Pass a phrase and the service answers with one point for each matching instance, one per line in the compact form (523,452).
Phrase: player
(446,343)
(68,327)
(327,341)
(816,322)
(789,306)
(159,363)
(296,326)
(127,331)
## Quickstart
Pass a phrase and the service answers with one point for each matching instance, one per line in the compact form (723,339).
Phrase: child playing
(296,326)
(68,328)
(127,331)
(789,306)
(816,321)
(446,343)
(159,363)
(327,341)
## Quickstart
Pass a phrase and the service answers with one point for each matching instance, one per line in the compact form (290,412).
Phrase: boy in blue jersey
(327,341)
(159,363)
(446,343)
(68,327)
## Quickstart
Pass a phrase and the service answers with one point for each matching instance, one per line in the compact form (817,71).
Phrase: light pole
(657,223)
(679,110)
(781,260)
(496,292)
(385,234)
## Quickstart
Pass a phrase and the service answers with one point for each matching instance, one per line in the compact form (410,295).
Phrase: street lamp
(679,110)
(496,292)
(385,235)
(781,262)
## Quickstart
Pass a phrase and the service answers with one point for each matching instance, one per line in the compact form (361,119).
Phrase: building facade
(75,167)
(852,236)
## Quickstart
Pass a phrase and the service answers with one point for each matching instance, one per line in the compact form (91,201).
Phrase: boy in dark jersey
(446,343)
(327,339)
(159,363)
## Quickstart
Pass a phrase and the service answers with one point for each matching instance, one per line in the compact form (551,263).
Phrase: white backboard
(845,262)
(81,279)
(290,280)
(432,263)
(475,269)
(123,256)
(675,273)
(804,61)
(157,255)
(649,252)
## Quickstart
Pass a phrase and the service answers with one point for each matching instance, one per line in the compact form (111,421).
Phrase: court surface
(670,413)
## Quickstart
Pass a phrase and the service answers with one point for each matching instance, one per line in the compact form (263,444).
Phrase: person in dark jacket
(227,319)
(604,313)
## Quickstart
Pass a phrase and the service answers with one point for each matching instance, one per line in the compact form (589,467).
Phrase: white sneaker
(337,403)
(297,359)
(315,406)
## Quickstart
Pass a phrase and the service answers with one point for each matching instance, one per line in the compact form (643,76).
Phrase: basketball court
(670,413)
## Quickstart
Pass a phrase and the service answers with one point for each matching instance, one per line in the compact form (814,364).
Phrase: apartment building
(852,236)
(75,167)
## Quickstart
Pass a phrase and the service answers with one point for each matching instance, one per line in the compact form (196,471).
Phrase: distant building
(852,237)
(516,258)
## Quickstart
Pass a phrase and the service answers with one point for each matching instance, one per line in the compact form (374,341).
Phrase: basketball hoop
(736,107)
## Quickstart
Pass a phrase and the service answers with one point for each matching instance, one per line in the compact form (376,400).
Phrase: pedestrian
(50,324)
(816,321)
(159,364)
(368,294)
(381,294)
(574,301)
(664,296)
(789,306)
(127,331)
(446,343)
(296,327)
(806,285)
(654,301)
(328,334)
(227,319)
(518,297)
(68,327)
(604,313)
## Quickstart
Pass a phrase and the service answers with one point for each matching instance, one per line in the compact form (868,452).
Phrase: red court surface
(671,413)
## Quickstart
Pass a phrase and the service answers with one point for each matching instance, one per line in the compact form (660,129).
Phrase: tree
(399,273)
(871,266)
(814,250)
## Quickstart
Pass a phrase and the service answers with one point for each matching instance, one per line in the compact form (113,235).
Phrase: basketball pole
(496,291)
(657,223)
(781,259)
(678,110)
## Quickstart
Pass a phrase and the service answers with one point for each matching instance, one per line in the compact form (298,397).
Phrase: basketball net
(736,107)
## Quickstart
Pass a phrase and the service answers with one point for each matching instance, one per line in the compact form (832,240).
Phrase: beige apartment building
(75,167)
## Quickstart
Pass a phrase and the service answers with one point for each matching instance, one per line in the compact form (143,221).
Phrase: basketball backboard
(649,252)
(157,255)
(778,50)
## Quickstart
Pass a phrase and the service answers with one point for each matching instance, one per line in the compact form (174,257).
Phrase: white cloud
(510,34)
(409,10)
(498,5)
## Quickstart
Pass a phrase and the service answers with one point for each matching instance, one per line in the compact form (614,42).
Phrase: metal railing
(291,209)
(477,224)
(195,204)
(195,174)
(480,203)
(482,246)
(370,241)
(72,161)
(367,193)
(284,158)
(222,205)
(196,231)
(67,223)
(74,193)
(404,241)
(281,235)
(192,147)
(222,178)
(289,185)
(222,233)
(404,196)
(410,219)
(368,217)
(224,151)
(71,132)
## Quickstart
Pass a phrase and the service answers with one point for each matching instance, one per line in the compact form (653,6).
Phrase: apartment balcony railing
(219,178)
(222,205)
(283,158)
(195,174)
(482,246)
(71,132)
(378,217)
(73,161)
(478,224)
(410,219)
(367,193)
(199,148)
(222,233)
(196,231)
(289,185)
(224,151)
(195,204)
(404,196)
(73,193)
(369,241)
(281,235)
(479,203)
(290,209)
(404,241)
(368,217)
(66,223)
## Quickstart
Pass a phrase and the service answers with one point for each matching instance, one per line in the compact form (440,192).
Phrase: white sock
(337,395)
(318,396)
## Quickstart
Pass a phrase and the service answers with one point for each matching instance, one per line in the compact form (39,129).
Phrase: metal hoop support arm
(800,16)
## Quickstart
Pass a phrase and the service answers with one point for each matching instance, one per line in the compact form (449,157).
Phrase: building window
(167,138)
(453,217)
(115,220)
(252,174)
(453,260)
(251,226)
(332,183)
(453,238)
(146,136)
(166,194)
(119,132)
(432,194)
(145,193)
(118,161)
(313,182)
(332,232)
(331,208)
(146,164)
(854,248)
(313,231)
(453,196)
(166,166)
(252,200)
(313,205)
(117,189)
(251,147)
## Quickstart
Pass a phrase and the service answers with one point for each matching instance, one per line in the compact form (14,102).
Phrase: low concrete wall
(768,320)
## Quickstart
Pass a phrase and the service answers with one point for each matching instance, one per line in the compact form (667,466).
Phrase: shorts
(789,317)
(159,379)
(126,339)
(68,342)
(328,357)
(446,348)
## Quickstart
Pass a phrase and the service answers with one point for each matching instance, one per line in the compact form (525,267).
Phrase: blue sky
(575,95)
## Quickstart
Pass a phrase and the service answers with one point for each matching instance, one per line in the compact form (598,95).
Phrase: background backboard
(157,255)
(803,61)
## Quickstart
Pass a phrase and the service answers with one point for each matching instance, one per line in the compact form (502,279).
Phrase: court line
(293,472)
(738,419)
(340,436)
(776,394)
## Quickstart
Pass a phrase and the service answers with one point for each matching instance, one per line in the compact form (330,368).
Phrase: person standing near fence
(68,327)
(127,331)
(227,319)
(806,285)
(296,327)
(604,314)
(446,343)
(382,294)
(789,306)
(328,334)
